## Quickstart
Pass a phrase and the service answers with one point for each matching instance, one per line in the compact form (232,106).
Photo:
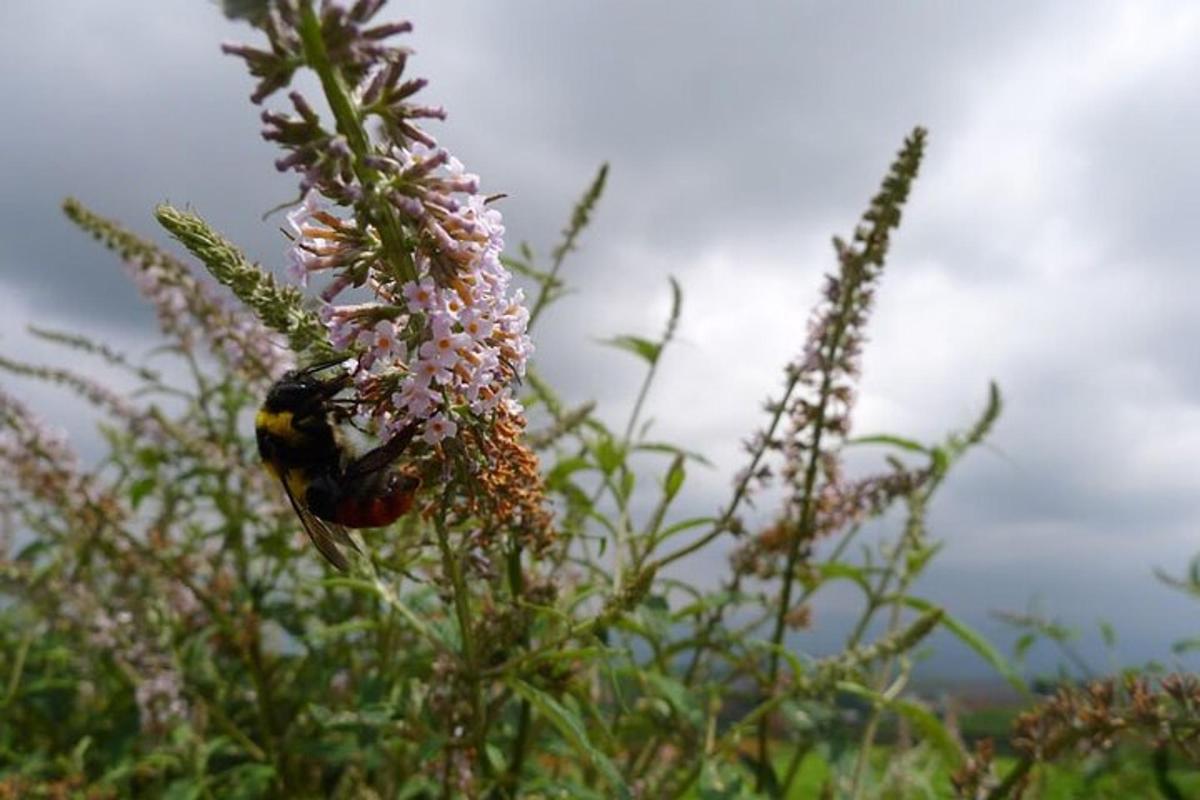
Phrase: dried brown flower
(512,496)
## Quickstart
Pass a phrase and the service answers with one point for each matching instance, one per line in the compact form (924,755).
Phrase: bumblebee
(330,490)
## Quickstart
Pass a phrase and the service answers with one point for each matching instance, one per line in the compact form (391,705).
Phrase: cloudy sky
(1049,244)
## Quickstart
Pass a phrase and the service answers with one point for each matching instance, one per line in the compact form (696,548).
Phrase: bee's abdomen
(376,509)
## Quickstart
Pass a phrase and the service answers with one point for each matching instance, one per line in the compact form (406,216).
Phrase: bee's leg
(310,423)
(342,410)
(379,458)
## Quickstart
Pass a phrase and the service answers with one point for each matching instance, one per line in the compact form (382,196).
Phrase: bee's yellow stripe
(298,484)
(277,423)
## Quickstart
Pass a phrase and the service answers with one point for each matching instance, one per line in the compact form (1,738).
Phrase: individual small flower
(421,295)
(416,398)
(299,266)
(428,371)
(351,324)
(476,325)
(443,347)
(386,344)
(437,428)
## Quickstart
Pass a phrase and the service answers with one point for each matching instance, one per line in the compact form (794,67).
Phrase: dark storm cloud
(123,107)
(717,117)
(1049,243)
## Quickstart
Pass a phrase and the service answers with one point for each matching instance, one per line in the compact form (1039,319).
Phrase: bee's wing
(326,536)
(382,456)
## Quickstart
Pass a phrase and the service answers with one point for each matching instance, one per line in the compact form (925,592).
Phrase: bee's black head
(301,390)
(291,393)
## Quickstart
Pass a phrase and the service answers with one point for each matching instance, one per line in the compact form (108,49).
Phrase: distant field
(1130,778)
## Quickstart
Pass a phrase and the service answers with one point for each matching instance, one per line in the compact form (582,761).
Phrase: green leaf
(247,781)
(657,602)
(1108,633)
(628,481)
(923,720)
(183,789)
(1186,646)
(720,781)
(684,525)
(676,309)
(642,348)
(798,669)
(932,730)
(495,757)
(150,457)
(253,11)
(330,632)
(941,460)
(888,439)
(675,693)
(842,571)
(576,497)
(974,640)
(609,454)
(919,557)
(31,551)
(524,268)
(568,723)
(1023,644)
(663,447)
(564,468)
(709,601)
(675,478)
(139,490)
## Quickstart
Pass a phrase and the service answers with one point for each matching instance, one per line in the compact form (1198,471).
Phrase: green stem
(1014,777)
(349,124)
(803,746)
(579,221)
(802,534)
(719,527)
(911,537)
(14,679)
(525,716)
(547,285)
(639,402)
(462,609)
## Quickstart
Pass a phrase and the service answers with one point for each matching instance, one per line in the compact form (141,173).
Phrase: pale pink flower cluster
(443,339)
(449,343)
(38,455)
(159,686)
(186,306)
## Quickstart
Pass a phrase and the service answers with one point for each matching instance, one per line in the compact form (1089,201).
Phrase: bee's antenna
(321,365)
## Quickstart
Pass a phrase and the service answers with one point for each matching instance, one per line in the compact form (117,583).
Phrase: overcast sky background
(1050,243)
